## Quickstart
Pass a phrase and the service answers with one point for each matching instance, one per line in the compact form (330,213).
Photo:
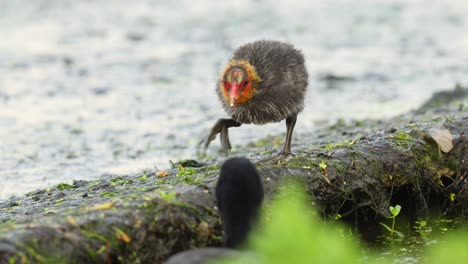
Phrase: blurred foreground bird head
(239,195)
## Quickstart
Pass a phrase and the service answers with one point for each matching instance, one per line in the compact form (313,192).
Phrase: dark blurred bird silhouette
(239,195)
(265,81)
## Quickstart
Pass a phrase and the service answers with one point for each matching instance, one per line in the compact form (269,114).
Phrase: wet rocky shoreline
(350,168)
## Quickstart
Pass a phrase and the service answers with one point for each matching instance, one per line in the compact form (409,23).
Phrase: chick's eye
(246,82)
(225,83)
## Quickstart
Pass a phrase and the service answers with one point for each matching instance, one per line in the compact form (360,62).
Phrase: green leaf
(64,186)
(452,197)
(395,210)
(386,227)
(400,234)
(422,224)
(143,178)
(322,165)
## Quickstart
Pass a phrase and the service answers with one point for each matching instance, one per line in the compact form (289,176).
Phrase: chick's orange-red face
(237,86)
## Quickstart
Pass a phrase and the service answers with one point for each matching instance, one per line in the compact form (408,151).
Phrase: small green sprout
(143,178)
(395,211)
(322,165)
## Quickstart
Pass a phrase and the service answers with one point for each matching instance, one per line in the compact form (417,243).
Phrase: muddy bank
(354,170)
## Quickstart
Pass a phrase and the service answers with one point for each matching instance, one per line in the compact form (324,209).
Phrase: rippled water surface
(93,87)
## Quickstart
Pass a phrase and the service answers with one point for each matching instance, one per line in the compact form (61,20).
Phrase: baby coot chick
(265,81)
(239,195)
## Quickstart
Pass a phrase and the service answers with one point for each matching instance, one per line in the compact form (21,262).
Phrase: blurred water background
(94,87)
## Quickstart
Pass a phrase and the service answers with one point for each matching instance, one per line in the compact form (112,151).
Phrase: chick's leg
(286,152)
(290,123)
(221,127)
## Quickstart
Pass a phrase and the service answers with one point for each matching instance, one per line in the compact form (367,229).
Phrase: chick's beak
(234,93)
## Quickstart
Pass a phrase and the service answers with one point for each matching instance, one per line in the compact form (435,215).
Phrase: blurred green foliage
(291,232)
(452,248)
